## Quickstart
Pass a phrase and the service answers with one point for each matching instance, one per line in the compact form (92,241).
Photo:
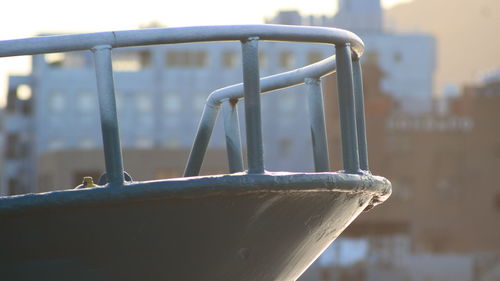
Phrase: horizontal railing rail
(278,81)
(175,35)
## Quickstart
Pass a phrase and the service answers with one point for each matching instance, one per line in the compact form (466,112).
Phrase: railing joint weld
(249,39)
(311,80)
(101,47)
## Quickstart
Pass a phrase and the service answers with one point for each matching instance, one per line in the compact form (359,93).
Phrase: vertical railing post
(251,85)
(232,131)
(318,127)
(205,129)
(347,108)
(360,114)
(109,119)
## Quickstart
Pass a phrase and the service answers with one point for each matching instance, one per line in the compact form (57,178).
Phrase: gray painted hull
(236,227)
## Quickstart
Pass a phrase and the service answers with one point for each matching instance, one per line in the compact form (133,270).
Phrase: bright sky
(25,18)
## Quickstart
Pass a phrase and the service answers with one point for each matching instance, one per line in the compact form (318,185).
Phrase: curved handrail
(174,35)
(277,81)
(268,84)
(349,48)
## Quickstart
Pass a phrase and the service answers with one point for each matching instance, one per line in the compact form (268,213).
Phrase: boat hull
(221,232)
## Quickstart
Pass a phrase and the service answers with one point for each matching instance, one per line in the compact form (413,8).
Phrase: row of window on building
(137,60)
(86,143)
(86,102)
(429,124)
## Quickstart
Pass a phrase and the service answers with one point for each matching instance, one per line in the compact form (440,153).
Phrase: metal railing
(228,97)
(349,49)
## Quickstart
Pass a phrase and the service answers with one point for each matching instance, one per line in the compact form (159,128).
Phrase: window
(284,147)
(347,251)
(23,92)
(56,102)
(12,145)
(26,107)
(66,60)
(172,103)
(313,57)
(286,103)
(229,59)
(11,100)
(144,142)
(397,57)
(55,59)
(145,121)
(175,59)
(172,143)
(56,143)
(171,121)
(120,101)
(186,59)
(86,102)
(262,60)
(74,60)
(200,59)
(287,60)
(144,103)
(131,61)
(87,143)
(199,101)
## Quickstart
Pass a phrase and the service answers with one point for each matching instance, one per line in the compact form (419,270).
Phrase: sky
(26,18)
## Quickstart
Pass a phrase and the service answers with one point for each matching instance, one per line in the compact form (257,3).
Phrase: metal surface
(109,117)
(360,114)
(251,85)
(175,35)
(278,81)
(347,109)
(318,126)
(253,225)
(233,141)
(205,128)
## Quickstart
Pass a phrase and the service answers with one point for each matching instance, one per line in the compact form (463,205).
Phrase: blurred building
(441,222)
(441,156)
(407,59)
(161,92)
